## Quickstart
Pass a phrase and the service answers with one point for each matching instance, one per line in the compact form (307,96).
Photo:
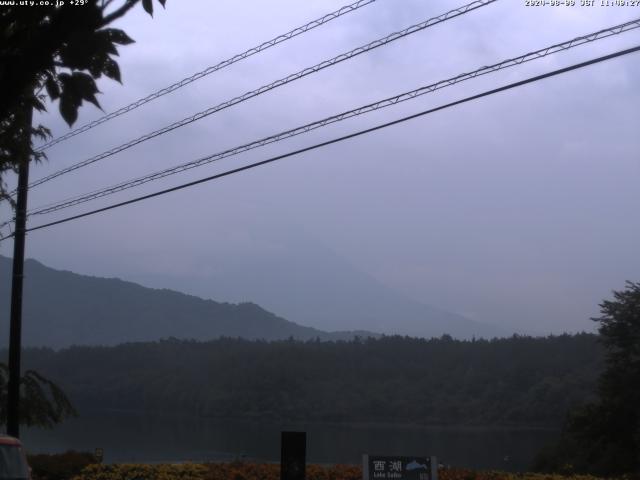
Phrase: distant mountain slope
(62,308)
(294,276)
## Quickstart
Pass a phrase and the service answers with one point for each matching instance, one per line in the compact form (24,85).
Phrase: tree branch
(129,4)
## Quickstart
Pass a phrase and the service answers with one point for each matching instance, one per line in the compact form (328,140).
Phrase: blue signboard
(379,467)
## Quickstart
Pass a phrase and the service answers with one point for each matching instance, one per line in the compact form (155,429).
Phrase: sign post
(293,456)
(379,467)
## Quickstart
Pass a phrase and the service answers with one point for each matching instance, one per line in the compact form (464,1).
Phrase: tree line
(512,381)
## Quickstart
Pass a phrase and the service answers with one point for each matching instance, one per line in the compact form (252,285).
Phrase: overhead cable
(273,85)
(617,29)
(340,139)
(209,70)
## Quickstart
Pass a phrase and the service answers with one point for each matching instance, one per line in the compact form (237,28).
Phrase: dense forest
(514,381)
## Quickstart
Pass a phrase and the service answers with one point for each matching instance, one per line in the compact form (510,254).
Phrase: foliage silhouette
(603,437)
(43,403)
(57,52)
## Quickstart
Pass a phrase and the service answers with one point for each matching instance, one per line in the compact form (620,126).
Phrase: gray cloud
(516,210)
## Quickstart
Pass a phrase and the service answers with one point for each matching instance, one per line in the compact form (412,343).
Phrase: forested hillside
(520,380)
(63,308)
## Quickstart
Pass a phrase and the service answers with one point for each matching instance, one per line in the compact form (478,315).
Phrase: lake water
(134,437)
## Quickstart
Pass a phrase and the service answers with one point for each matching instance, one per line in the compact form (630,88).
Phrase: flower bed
(270,471)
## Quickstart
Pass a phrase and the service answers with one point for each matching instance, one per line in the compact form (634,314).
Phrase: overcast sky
(520,209)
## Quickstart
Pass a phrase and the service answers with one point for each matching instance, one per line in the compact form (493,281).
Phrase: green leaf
(96,65)
(148,6)
(118,36)
(42,132)
(162,2)
(86,87)
(68,110)
(106,42)
(81,46)
(38,105)
(111,70)
(75,89)
(53,89)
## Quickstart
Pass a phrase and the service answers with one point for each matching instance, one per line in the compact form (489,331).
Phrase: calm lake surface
(134,437)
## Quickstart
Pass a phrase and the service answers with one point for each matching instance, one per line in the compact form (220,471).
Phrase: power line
(617,29)
(273,85)
(340,139)
(209,70)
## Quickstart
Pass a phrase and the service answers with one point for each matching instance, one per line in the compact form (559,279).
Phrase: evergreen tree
(604,437)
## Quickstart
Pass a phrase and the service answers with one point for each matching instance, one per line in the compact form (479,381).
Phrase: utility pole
(15,329)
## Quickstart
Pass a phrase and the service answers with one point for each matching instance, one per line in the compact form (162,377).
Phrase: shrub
(61,466)
(187,471)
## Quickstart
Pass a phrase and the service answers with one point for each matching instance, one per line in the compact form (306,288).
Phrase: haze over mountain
(440,208)
(62,308)
(299,279)
(310,285)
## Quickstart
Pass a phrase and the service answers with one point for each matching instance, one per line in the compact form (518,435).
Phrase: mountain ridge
(314,286)
(62,308)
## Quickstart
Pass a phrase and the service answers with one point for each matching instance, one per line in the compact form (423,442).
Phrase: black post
(15,329)
(293,455)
